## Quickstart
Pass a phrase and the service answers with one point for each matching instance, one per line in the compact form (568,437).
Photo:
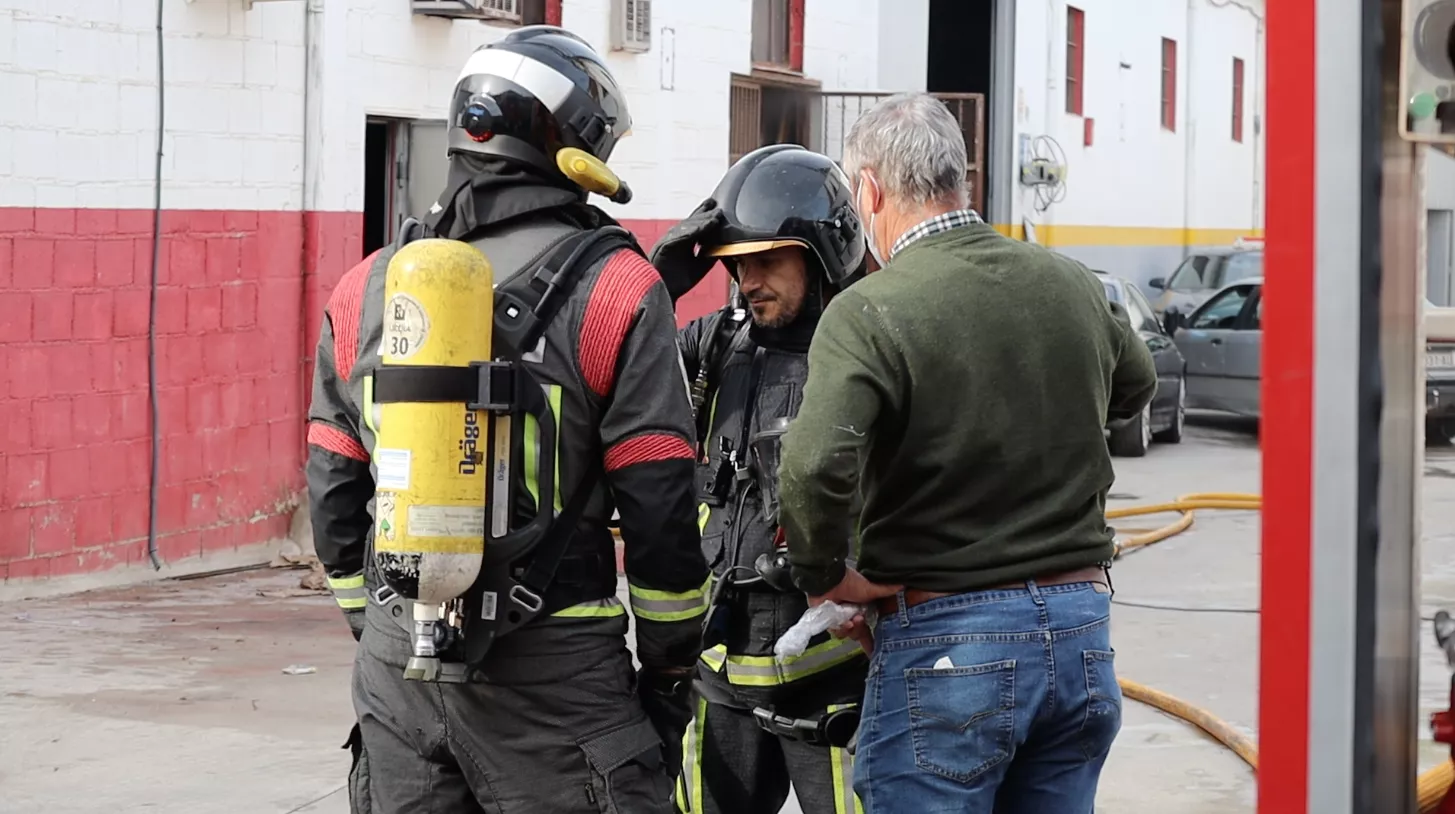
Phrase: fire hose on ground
(1432,785)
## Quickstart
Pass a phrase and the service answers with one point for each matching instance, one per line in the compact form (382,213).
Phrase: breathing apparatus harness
(751,465)
(520,565)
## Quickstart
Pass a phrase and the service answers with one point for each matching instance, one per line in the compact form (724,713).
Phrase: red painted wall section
(795,34)
(231,310)
(240,302)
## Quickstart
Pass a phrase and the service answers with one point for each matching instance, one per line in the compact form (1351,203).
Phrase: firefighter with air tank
(487,393)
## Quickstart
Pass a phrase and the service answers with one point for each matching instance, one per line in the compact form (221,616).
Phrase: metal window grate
(632,25)
(745,118)
(839,110)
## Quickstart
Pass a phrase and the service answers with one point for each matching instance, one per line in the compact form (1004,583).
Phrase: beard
(781,315)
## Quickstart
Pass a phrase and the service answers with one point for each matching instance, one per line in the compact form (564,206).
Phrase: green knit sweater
(963,389)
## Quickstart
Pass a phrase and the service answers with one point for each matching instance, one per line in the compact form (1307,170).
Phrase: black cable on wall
(154,477)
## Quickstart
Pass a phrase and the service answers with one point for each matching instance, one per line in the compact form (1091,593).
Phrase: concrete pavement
(171,697)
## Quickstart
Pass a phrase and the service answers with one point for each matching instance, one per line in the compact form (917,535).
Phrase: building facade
(298,133)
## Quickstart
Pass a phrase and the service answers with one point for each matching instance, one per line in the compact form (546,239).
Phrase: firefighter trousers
(731,765)
(554,727)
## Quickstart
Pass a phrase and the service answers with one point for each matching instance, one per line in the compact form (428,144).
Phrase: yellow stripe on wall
(1071,235)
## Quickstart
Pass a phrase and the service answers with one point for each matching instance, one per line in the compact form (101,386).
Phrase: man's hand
(666,696)
(680,256)
(854,589)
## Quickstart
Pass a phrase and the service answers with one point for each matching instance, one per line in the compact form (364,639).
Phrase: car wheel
(1132,439)
(1173,433)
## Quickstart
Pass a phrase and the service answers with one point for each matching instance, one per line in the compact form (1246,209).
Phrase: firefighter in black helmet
(783,222)
(552,719)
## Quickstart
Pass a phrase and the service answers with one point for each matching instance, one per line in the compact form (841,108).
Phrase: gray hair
(914,146)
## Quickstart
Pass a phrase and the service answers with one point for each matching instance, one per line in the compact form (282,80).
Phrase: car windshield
(1111,291)
(1242,266)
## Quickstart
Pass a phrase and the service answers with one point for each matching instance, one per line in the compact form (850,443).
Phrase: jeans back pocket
(1103,718)
(962,719)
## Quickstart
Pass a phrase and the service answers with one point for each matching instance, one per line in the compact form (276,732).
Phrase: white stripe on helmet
(541,80)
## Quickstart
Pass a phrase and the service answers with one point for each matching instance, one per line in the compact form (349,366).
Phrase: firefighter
(783,223)
(553,719)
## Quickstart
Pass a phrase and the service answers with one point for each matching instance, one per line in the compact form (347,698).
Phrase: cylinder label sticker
(384,510)
(447,521)
(393,466)
(406,327)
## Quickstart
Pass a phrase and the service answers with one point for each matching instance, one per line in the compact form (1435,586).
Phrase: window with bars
(1169,84)
(1075,59)
(1237,99)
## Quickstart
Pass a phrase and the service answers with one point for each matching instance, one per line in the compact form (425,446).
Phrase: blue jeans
(990,701)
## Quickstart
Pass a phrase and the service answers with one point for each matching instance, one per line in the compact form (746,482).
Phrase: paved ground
(171,698)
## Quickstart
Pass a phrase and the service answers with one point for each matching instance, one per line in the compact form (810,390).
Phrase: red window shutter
(1075,60)
(553,12)
(795,35)
(1237,99)
(1169,84)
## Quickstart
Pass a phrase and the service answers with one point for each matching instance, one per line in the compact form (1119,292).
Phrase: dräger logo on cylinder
(470,444)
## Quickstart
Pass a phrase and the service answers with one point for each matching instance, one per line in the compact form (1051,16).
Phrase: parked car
(1222,342)
(1203,274)
(1439,372)
(1163,419)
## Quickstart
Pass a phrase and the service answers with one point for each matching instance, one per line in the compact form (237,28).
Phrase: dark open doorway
(962,53)
(378,183)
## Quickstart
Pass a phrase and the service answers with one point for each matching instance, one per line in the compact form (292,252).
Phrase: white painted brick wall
(78,118)
(1135,173)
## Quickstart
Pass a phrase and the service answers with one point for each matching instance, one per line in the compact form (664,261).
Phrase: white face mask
(869,235)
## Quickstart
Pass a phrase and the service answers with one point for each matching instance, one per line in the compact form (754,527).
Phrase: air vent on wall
(631,25)
(505,10)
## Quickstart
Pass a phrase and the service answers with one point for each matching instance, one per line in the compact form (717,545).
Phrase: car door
(1164,354)
(1203,344)
(1243,352)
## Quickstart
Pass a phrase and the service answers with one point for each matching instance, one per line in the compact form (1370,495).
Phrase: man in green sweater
(962,391)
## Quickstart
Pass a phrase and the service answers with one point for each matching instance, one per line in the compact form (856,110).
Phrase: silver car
(1222,342)
(1204,273)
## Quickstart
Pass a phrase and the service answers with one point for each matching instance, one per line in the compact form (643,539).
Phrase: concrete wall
(1139,194)
(262,198)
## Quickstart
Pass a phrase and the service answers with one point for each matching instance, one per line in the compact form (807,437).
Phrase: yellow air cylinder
(432,458)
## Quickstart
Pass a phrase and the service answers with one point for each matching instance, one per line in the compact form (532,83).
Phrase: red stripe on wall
(1288,360)
(240,303)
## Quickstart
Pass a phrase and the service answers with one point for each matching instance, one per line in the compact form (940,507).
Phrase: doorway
(405,169)
(971,51)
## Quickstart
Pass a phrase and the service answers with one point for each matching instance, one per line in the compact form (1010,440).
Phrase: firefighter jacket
(609,362)
(757,383)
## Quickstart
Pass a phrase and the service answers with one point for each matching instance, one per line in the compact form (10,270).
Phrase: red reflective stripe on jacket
(610,311)
(333,439)
(645,449)
(345,306)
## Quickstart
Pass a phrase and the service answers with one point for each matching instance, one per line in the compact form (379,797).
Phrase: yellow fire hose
(1432,785)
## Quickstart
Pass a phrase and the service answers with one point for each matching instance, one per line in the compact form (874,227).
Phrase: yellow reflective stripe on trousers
(842,764)
(666,606)
(349,592)
(595,609)
(688,798)
(704,513)
(767,671)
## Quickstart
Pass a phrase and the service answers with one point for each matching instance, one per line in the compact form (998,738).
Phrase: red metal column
(1287,431)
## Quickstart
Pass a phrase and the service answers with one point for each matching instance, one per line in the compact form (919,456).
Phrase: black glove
(356,623)
(679,256)
(667,700)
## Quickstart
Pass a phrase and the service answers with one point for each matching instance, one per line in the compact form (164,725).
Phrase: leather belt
(913,596)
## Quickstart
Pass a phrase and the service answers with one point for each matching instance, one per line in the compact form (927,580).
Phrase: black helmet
(785,195)
(539,89)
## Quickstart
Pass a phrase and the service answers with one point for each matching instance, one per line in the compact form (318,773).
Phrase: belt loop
(1035,590)
(903,609)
